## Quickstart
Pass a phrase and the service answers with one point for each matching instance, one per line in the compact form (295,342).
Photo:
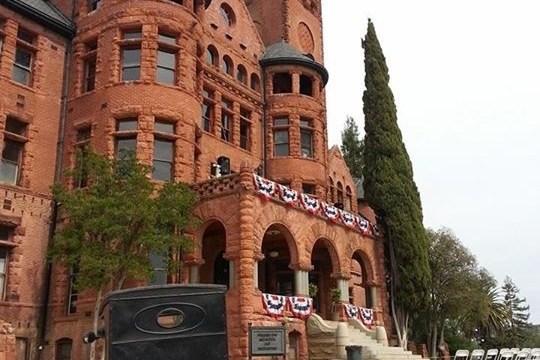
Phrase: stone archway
(214,268)
(275,275)
(360,283)
(324,264)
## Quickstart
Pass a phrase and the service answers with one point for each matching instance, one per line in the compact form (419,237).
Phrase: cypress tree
(390,189)
(352,148)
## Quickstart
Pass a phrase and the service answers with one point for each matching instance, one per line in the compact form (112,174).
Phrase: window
(241,74)
(63,349)
(308,188)
(212,56)
(306,86)
(227,14)
(159,269)
(245,128)
(226,120)
(166,59)
(340,194)
(24,56)
(22,350)
(255,83)
(90,58)
(348,199)
(126,136)
(131,55)
(81,147)
(306,138)
(207,110)
(93,4)
(281,137)
(162,161)
(2,34)
(332,190)
(12,153)
(73,293)
(5,240)
(282,83)
(227,65)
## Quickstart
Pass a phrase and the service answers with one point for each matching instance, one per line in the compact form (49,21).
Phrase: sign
(266,340)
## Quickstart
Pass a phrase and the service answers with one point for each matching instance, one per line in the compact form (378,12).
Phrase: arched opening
(340,194)
(320,275)
(282,83)
(63,349)
(215,269)
(212,55)
(306,85)
(275,276)
(348,198)
(359,291)
(331,191)
(255,83)
(241,74)
(227,65)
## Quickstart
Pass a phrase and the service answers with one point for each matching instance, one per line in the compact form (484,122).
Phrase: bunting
(301,307)
(289,196)
(274,304)
(311,204)
(366,315)
(363,225)
(351,311)
(331,212)
(348,218)
(264,187)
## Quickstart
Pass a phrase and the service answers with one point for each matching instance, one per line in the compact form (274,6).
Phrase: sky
(466,82)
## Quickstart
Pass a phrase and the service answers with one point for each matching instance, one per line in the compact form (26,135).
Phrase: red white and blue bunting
(331,212)
(269,189)
(366,315)
(311,204)
(264,187)
(275,305)
(289,196)
(300,307)
(351,311)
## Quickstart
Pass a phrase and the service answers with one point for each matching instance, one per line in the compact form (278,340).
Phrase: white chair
(461,355)
(522,355)
(514,350)
(492,354)
(535,354)
(503,350)
(506,354)
(477,354)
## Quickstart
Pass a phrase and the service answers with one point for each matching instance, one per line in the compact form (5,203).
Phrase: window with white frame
(15,138)
(163,158)
(306,138)
(23,63)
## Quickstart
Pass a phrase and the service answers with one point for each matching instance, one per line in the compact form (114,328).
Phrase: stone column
(194,274)
(343,286)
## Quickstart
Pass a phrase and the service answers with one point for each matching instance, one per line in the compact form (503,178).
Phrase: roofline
(41,18)
(297,61)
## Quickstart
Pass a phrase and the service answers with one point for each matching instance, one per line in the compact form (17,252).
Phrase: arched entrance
(275,275)
(320,275)
(359,291)
(215,269)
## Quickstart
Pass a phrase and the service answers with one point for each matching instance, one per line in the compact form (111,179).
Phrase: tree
(352,148)
(453,272)
(392,192)
(517,332)
(112,226)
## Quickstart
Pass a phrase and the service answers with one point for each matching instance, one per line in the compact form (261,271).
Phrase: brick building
(227,95)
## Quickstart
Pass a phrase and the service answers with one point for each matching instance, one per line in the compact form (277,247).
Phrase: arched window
(212,55)
(227,14)
(255,83)
(340,193)
(241,74)
(227,65)
(332,191)
(63,349)
(348,199)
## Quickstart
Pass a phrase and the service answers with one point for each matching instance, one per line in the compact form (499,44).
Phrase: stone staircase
(327,341)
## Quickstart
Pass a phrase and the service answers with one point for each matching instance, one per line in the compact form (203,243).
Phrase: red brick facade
(189,85)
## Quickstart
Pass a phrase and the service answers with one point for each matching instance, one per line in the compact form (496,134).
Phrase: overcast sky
(465,77)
